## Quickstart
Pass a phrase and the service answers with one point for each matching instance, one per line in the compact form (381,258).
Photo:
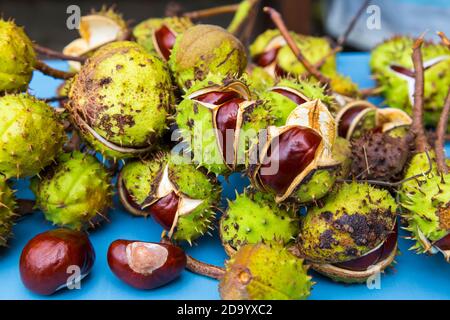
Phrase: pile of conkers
(171,104)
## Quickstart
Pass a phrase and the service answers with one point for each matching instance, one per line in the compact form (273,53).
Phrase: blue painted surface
(414,277)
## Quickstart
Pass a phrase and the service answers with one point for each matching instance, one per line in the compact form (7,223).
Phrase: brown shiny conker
(47,260)
(290,95)
(145,265)
(378,255)
(294,151)
(165,40)
(347,119)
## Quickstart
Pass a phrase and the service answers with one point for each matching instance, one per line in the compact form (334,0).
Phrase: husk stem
(343,38)
(417,127)
(25,207)
(443,120)
(440,136)
(199,267)
(278,21)
(210,12)
(58,74)
(56,54)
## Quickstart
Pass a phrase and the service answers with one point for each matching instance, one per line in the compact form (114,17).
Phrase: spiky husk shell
(75,192)
(259,80)
(354,219)
(17,59)
(321,181)
(398,51)
(204,49)
(281,106)
(379,156)
(254,217)
(426,200)
(7,208)
(124,95)
(342,153)
(195,124)
(143,32)
(314,49)
(265,272)
(142,178)
(32,135)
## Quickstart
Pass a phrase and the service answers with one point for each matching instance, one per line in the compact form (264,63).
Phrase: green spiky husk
(141,179)
(74,192)
(204,49)
(259,80)
(314,49)
(7,207)
(195,123)
(143,32)
(265,272)
(342,153)
(354,219)
(17,59)
(254,217)
(426,201)
(32,135)
(398,50)
(281,106)
(124,94)
(316,187)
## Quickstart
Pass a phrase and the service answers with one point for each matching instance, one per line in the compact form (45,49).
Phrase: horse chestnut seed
(47,260)
(145,265)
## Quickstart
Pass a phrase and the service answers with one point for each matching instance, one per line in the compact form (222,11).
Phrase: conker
(145,265)
(378,255)
(347,119)
(165,40)
(290,95)
(47,260)
(294,151)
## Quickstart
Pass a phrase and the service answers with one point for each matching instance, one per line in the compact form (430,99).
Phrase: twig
(25,207)
(56,54)
(370,91)
(445,41)
(198,267)
(55,99)
(74,143)
(204,269)
(343,38)
(324,59)
(204,13)
(278,21)
(246,27)
(46,69)
(417,127)
(440,132)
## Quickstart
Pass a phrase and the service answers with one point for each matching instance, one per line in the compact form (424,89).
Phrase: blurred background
(45,20)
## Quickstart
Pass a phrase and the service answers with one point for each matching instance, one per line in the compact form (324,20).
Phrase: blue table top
(414,276)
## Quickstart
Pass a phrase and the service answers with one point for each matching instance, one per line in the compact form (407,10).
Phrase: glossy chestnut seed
(292,153)
(165,40)
(290,95)
(217,97)
(164,210)
(145,265)
(347,119)
(368,260)
(226,120)
(266,58)
(443,243)
(403,70)
(49,260)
